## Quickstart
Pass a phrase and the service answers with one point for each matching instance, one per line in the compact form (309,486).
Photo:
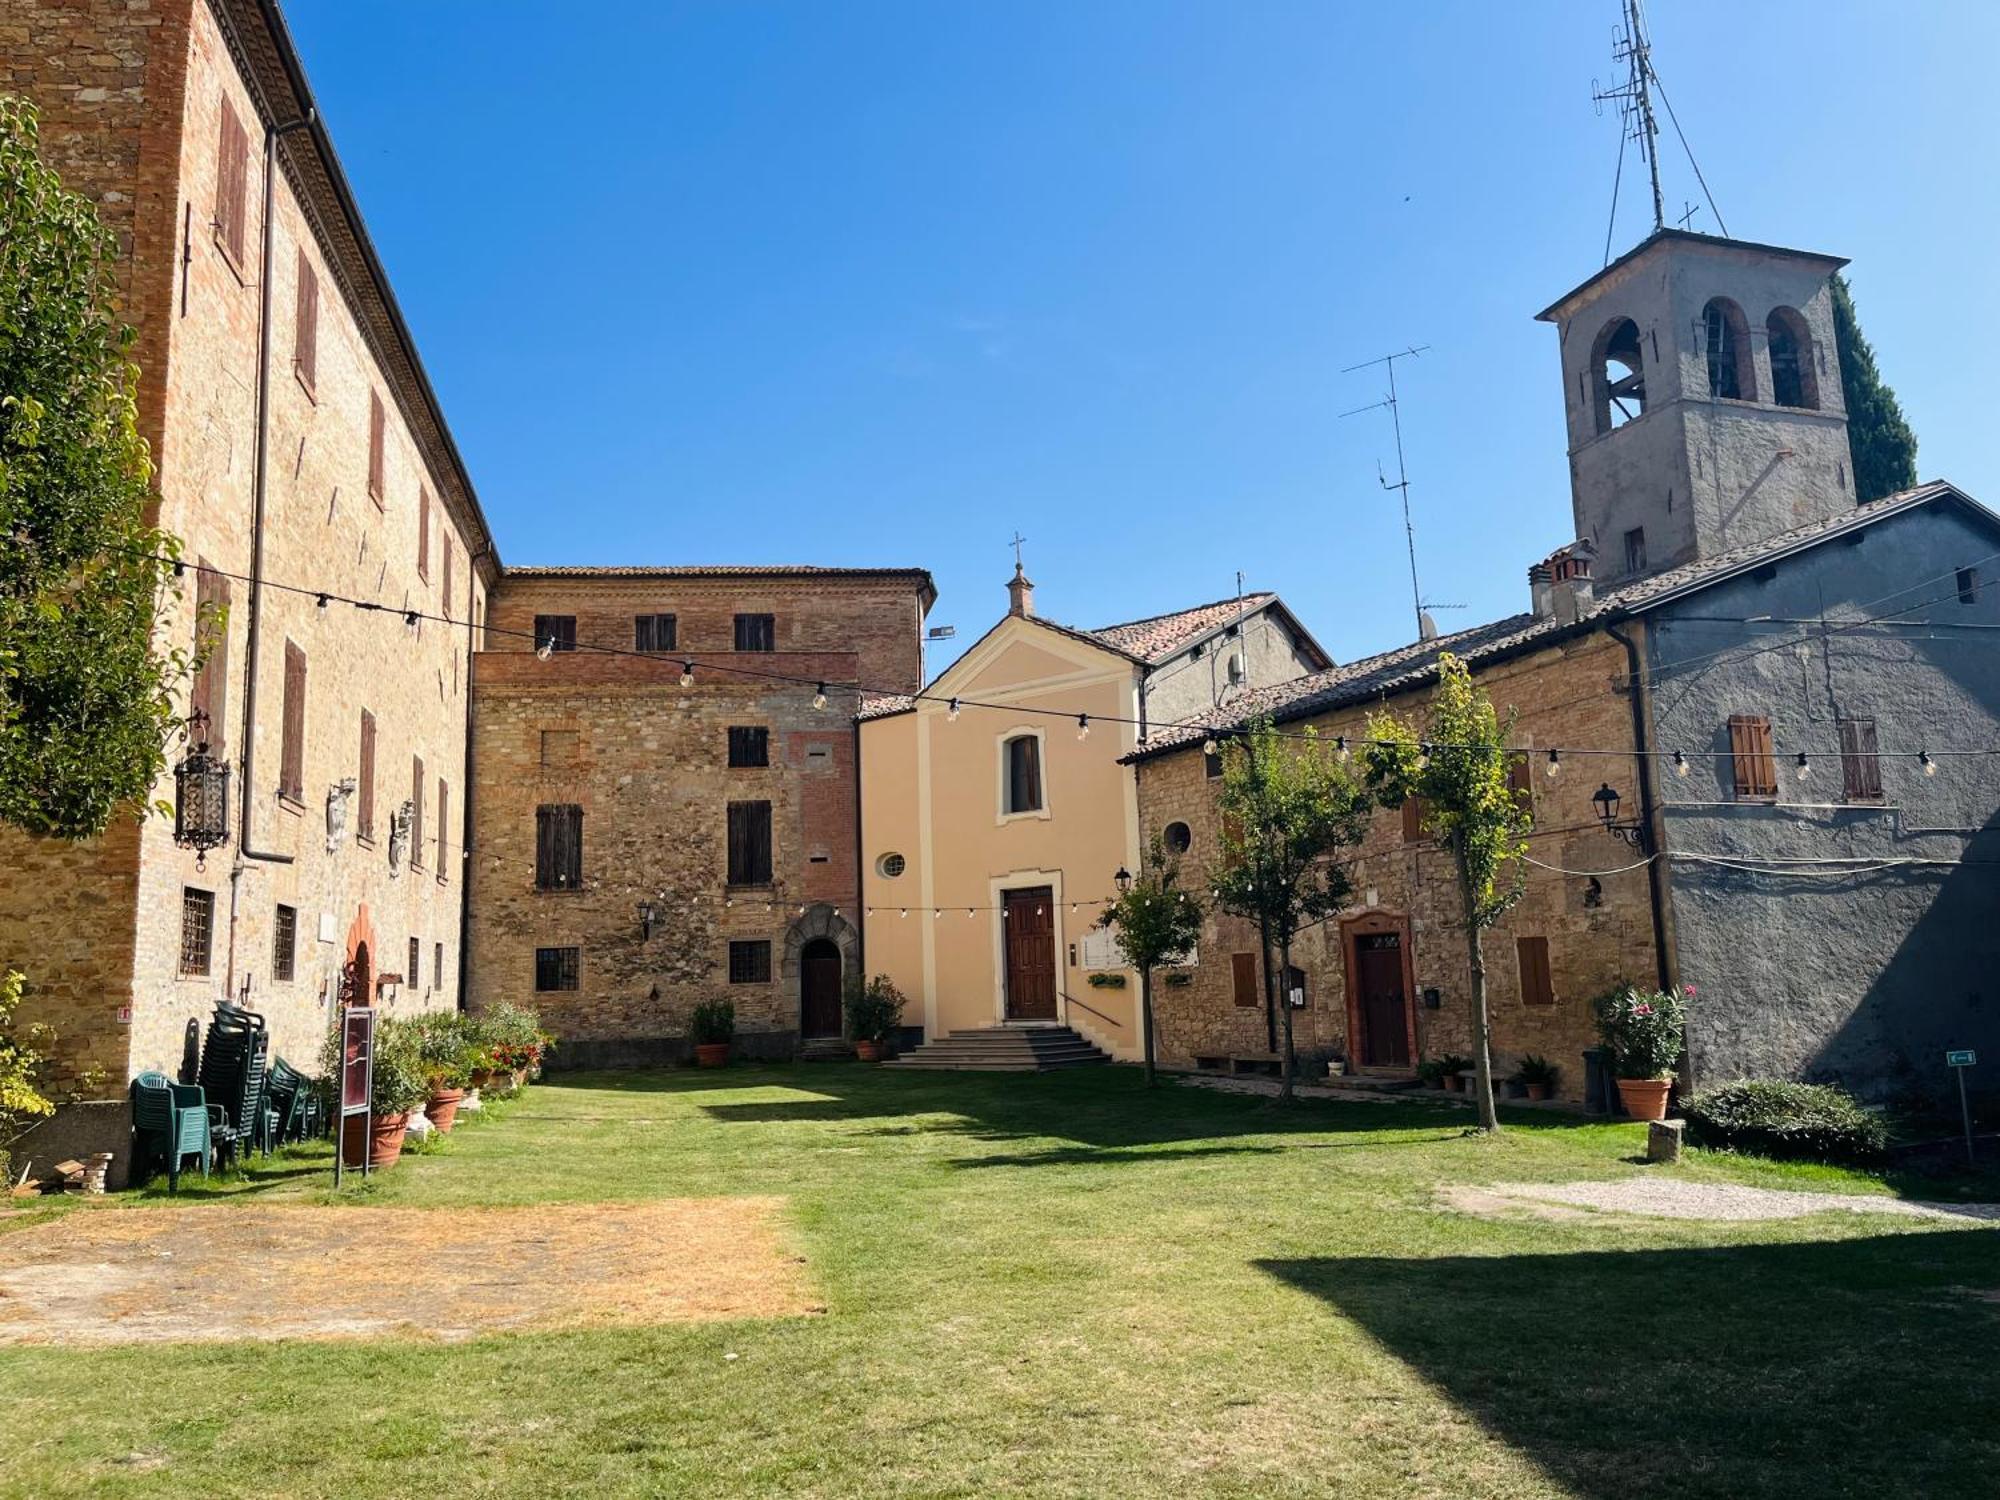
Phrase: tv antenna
(1634,97)
(1402,484)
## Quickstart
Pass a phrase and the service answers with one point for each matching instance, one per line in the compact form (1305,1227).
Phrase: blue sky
(879,283)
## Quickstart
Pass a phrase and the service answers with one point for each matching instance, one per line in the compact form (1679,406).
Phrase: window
(197,929)
(559,847)
(210,694)
(364,817)
(1243,980)
(414,975)
(1416,810)
(1732,374)
(437,967)
(749,745)
(559,747)
(1750,750)
(756,633)
(232,187)
(1537,986)
(445,536)
(890,866)
(1179,838)
(1211,765)
(305,326)
(378,430)
(423,533)
(444,823)
(416,812)
(1794,382)
(292,755)
(1860,761)
(655,633)
(1968,585)
(284,942)
(556,969)
(1619,372)
(1635,550)
(1521,781)
(1295,987)
(750,962)
(749,843)
(555,632)
(1024,773)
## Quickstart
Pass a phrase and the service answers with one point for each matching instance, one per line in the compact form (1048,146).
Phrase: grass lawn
(1065,1285)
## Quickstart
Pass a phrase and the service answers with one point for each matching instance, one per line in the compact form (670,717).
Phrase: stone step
(1005,1049)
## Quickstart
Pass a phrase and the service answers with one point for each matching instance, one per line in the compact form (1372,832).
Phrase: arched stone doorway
(821,949)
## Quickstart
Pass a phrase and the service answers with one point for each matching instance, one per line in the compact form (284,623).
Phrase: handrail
(1107,1020)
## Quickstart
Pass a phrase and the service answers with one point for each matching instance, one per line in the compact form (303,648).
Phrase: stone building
(995,813)
(297,440)
(664,796)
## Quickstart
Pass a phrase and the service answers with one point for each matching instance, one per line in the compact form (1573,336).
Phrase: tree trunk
(1290,1065)
(1270,1009)
(1482,1028)
(1146,1019)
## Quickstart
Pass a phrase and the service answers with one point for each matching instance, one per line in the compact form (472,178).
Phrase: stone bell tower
(1702,386)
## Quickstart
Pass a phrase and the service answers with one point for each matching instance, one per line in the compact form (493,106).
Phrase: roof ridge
(1168,614)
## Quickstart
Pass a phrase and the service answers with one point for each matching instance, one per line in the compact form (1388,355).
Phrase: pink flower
(1642,1009)
(1688,990)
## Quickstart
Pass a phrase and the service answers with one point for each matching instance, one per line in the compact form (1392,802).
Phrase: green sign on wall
(1963,1059)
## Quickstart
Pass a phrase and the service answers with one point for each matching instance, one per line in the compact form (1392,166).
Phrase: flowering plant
(1643,1029)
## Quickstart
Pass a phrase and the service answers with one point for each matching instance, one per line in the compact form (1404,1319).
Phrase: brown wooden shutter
(1537,983)
(209,694)
(305,337)
(416,812)
(232,183)
(444,823)
(423,533)
(1750,752)
(292,759)
(1243,979)
(378,421)
(445,537)
(1414,811)
(364,821)
(545,848)
(749,843)
(1860,761)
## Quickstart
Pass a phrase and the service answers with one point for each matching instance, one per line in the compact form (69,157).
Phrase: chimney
(1569,584)
(1540,578)
(1020,594)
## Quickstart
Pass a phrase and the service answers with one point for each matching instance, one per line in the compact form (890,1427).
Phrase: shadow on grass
(291,1167)
(1860,1366)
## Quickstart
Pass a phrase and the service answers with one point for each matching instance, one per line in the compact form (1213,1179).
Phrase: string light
(819,697)
(1083,726)
(1208,746)
(1340,748)
(1924,760)
(1681,766)
(543,651)
(951,713)
(687,674)
(1423,755)
(1804,772)
(323,601)
(904,912)
(1555,764)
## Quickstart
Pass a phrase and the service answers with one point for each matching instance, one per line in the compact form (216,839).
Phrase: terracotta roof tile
(1159,636)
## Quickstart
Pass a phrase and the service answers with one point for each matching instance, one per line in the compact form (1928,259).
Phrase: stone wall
(1597,934)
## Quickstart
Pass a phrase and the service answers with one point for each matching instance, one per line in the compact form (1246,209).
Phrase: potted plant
(1642,1029)
(447,1065)
(479,1040)
(1537,1076)
(712,1028)
(1453,1068)
(516,1040)
(399,1085)
(1430,1073)
(874,1011)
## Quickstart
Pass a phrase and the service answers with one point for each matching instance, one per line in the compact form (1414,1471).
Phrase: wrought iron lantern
(1123,880)
(201,798)
(1605,800)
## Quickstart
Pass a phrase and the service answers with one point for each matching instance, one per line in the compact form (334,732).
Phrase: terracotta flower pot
(711,1054)
(1645,1098)
(443,1108)
(868,1051)
(520,1076)
(385,1140)
(1455,1082)
(1538,1090)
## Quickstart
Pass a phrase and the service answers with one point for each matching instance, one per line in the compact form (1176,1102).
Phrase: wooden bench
(1267,1063)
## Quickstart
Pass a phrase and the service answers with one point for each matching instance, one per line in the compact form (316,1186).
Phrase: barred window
(197,929)
(750,962)
(284,942)
(556,969)
(415,976)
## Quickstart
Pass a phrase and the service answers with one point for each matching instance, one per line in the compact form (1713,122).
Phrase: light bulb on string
(1083,726)
(819,697)
(323,601)
(1804,771)
(1208,746)
(1423,756)
(904,912)
(543,651)
(951,712)
(1681,766)
(687,674)
(1555,764)
(1924,761)
(1340,748)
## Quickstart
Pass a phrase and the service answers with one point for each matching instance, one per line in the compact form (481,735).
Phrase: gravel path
(1671,1198)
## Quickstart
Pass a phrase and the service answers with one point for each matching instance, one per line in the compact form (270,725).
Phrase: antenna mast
(1402,484)
(1635,99)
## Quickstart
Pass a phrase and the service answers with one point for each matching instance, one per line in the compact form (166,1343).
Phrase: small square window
(750,962)
(284,942)
(1635,550)
(749,745)
(756,633)
(555,632)
(556,969)
(1968,585)
(197,929)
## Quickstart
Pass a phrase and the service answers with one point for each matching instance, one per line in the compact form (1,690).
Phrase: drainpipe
(860,869)
(465,793)
(246,848)
(1648,809)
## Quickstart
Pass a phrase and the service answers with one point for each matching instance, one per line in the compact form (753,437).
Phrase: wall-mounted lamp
(1605,801)
(1123,880)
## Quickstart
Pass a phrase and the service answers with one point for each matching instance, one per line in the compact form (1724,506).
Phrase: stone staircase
(1005,1049)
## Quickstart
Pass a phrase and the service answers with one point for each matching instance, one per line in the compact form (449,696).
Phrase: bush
(512,1036)
(874,1010)
(447,1047)
(1773,1118)
(713,1022)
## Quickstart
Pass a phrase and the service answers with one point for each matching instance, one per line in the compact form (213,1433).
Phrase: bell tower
(1702,386)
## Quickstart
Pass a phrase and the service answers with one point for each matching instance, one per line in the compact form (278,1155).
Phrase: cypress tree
(1879,435)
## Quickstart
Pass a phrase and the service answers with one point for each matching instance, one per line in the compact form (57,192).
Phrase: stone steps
(1005,1049)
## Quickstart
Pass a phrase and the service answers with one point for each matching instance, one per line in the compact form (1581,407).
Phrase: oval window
(1179,838)
(889,866)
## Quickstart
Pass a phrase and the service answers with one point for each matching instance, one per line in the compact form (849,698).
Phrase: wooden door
(1030,919)
(819,989)
(1382,1002)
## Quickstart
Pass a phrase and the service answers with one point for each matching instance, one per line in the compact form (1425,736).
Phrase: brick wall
(1562,696)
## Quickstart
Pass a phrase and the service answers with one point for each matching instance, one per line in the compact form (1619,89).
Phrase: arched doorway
(819,989)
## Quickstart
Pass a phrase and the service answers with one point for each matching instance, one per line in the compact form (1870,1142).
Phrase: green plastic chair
(169,1123)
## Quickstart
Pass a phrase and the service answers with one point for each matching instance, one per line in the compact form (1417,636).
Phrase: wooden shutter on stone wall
(424,533)
(444,824)
(305,336)
(1415,810)
(292,759)
(445,536)
(1537,982)
(232,184)
(378,421)
(209,695)
(1860,761)
(1750,753)
(749,843)
(1243,979)
(364,819)
(558,847)
(416,812)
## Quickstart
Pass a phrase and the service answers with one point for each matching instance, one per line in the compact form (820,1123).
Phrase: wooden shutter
(1415,809)
(1537,984)
(423,533)
(378,422)
(545,848)
(1860,761)
(305,330)
(1750,751)
(292,759)
(444,823)
(416,812)
(749,745)
(643,638)
(364,820)
(749,843)
(559,847)
(210,692)
(232,183)
(1243,979)
(1024,774)
(445,536)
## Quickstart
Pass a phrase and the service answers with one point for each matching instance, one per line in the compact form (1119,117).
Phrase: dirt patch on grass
(225,1272)
(1672,1198)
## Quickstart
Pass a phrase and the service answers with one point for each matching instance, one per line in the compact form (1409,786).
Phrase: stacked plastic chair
(233,1065)
(170,1122)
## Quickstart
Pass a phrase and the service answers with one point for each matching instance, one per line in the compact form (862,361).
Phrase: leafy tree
(85,699)
(1287,809)
(1156,922)
(22,1101)
(1883,445)
(1457,764)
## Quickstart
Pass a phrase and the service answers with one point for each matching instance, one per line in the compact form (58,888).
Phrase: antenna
(1632,47)
(1402,483)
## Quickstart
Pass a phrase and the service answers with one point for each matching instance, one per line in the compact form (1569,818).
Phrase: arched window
(1732,374)
(1794,382)
(1022,768)
(1619,375)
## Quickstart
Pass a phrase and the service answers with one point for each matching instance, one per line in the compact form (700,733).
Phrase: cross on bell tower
(1020,592)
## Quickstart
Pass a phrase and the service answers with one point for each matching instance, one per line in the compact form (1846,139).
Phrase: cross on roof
(1018,539)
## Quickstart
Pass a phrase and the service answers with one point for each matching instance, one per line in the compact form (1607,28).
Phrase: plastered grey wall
(1864,971)
(1191,685)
